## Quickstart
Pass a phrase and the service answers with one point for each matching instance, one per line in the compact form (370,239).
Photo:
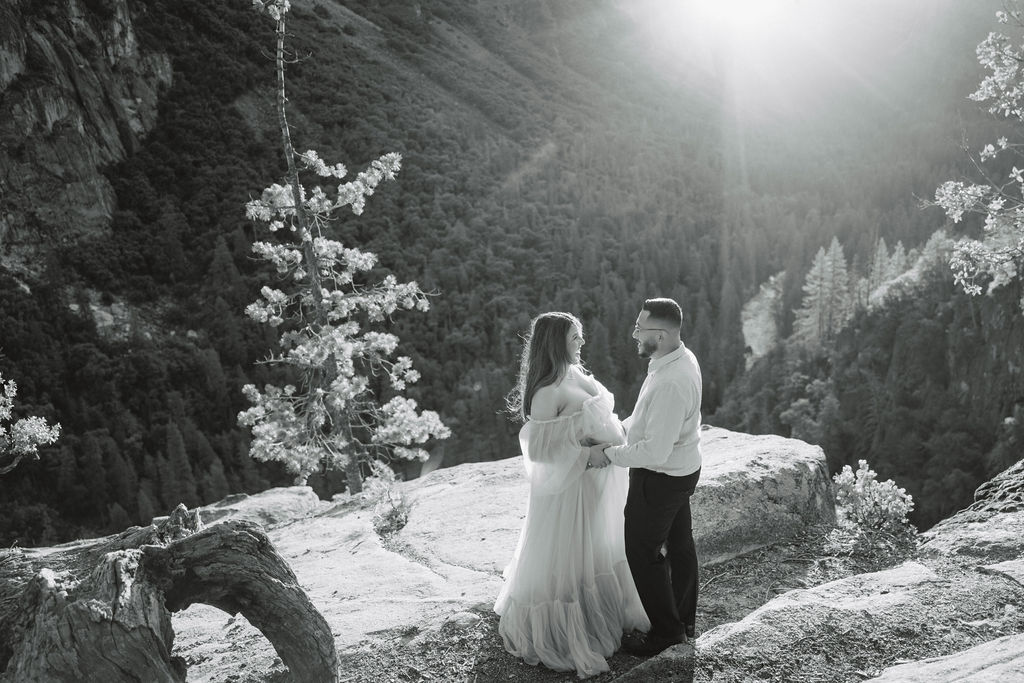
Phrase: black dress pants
(657,518)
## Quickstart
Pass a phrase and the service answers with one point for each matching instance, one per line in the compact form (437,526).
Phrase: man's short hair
(665,310)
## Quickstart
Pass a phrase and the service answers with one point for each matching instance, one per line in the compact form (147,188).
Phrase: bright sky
(778,62)
(741,36)
(746,23)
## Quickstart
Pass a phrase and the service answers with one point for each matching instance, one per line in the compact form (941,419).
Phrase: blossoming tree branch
(996,258)
(329,417)
(20,439)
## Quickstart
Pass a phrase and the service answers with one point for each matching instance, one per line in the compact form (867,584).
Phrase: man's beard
(646,349)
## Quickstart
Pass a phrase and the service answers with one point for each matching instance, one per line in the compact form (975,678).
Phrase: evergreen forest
(556,156)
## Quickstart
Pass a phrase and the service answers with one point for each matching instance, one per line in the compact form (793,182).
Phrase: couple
(593,560)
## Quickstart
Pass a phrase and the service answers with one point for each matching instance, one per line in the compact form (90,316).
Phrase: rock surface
(757,490)
(462,528)
(999,660)
(964,593)
(867,604)
(990,528)
(270,508)
(1002,493)
(954,611)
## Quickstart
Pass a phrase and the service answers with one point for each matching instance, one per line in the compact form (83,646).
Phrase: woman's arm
(545,403)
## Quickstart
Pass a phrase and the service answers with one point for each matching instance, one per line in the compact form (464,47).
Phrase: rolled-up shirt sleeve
(664,410)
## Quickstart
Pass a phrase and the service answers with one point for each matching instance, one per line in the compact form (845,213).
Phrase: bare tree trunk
(353,474)
(101,610)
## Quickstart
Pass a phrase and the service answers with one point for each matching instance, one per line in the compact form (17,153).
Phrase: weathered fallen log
(100,610)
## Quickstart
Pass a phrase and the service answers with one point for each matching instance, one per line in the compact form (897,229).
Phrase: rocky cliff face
(439,574)
(76,94)
(401,603)
(414,601)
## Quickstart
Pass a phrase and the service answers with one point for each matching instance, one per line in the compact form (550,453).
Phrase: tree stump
(100,610)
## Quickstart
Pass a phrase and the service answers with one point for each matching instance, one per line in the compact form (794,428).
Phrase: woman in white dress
(568,594)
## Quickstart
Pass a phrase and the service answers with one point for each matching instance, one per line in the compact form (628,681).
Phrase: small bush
(869,503)
(872,516)
(391,510)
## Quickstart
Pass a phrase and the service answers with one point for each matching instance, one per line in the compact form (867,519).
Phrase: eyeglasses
(637,329)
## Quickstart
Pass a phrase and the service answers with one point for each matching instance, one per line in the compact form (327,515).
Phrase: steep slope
(76,94)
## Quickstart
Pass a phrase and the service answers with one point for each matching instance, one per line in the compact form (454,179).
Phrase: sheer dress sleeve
(552,454)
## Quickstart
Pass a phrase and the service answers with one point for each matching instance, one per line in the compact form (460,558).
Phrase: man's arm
(665,410)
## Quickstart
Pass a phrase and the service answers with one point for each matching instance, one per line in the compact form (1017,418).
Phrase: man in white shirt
(662,450)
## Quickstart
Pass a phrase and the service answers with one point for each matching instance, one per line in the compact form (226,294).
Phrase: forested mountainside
(926,384)
(556,156)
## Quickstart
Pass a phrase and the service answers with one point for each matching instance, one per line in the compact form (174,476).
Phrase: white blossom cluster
(275,8)
(869,503)
(290,429)
(401,426)
(1001,88)
(998,256)
(23,437)
(276,205)
(311,160)
(354,193)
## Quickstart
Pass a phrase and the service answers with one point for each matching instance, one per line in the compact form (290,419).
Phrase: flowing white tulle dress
(568,594)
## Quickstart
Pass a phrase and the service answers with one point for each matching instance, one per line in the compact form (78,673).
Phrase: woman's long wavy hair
(544,361)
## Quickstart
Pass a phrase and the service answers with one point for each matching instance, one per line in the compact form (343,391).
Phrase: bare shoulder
(546,402)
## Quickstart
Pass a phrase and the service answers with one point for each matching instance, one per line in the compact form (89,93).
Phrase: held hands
(597,457)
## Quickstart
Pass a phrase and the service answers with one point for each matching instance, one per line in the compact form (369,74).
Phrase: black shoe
(648,645)
(631,639)
(691,631)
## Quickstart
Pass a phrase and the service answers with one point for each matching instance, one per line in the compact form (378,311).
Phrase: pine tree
(879,272)
(215,384)
(167,492)
(898,262)
(91,474)
(149,470)
(225,332)
(222,277)
(178,483)
(197,446)
(122,480)
(840,305)
(214,483)
(145,505)
(117,517)
(331,417)
(827,303)
(810,321)
(168,233)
